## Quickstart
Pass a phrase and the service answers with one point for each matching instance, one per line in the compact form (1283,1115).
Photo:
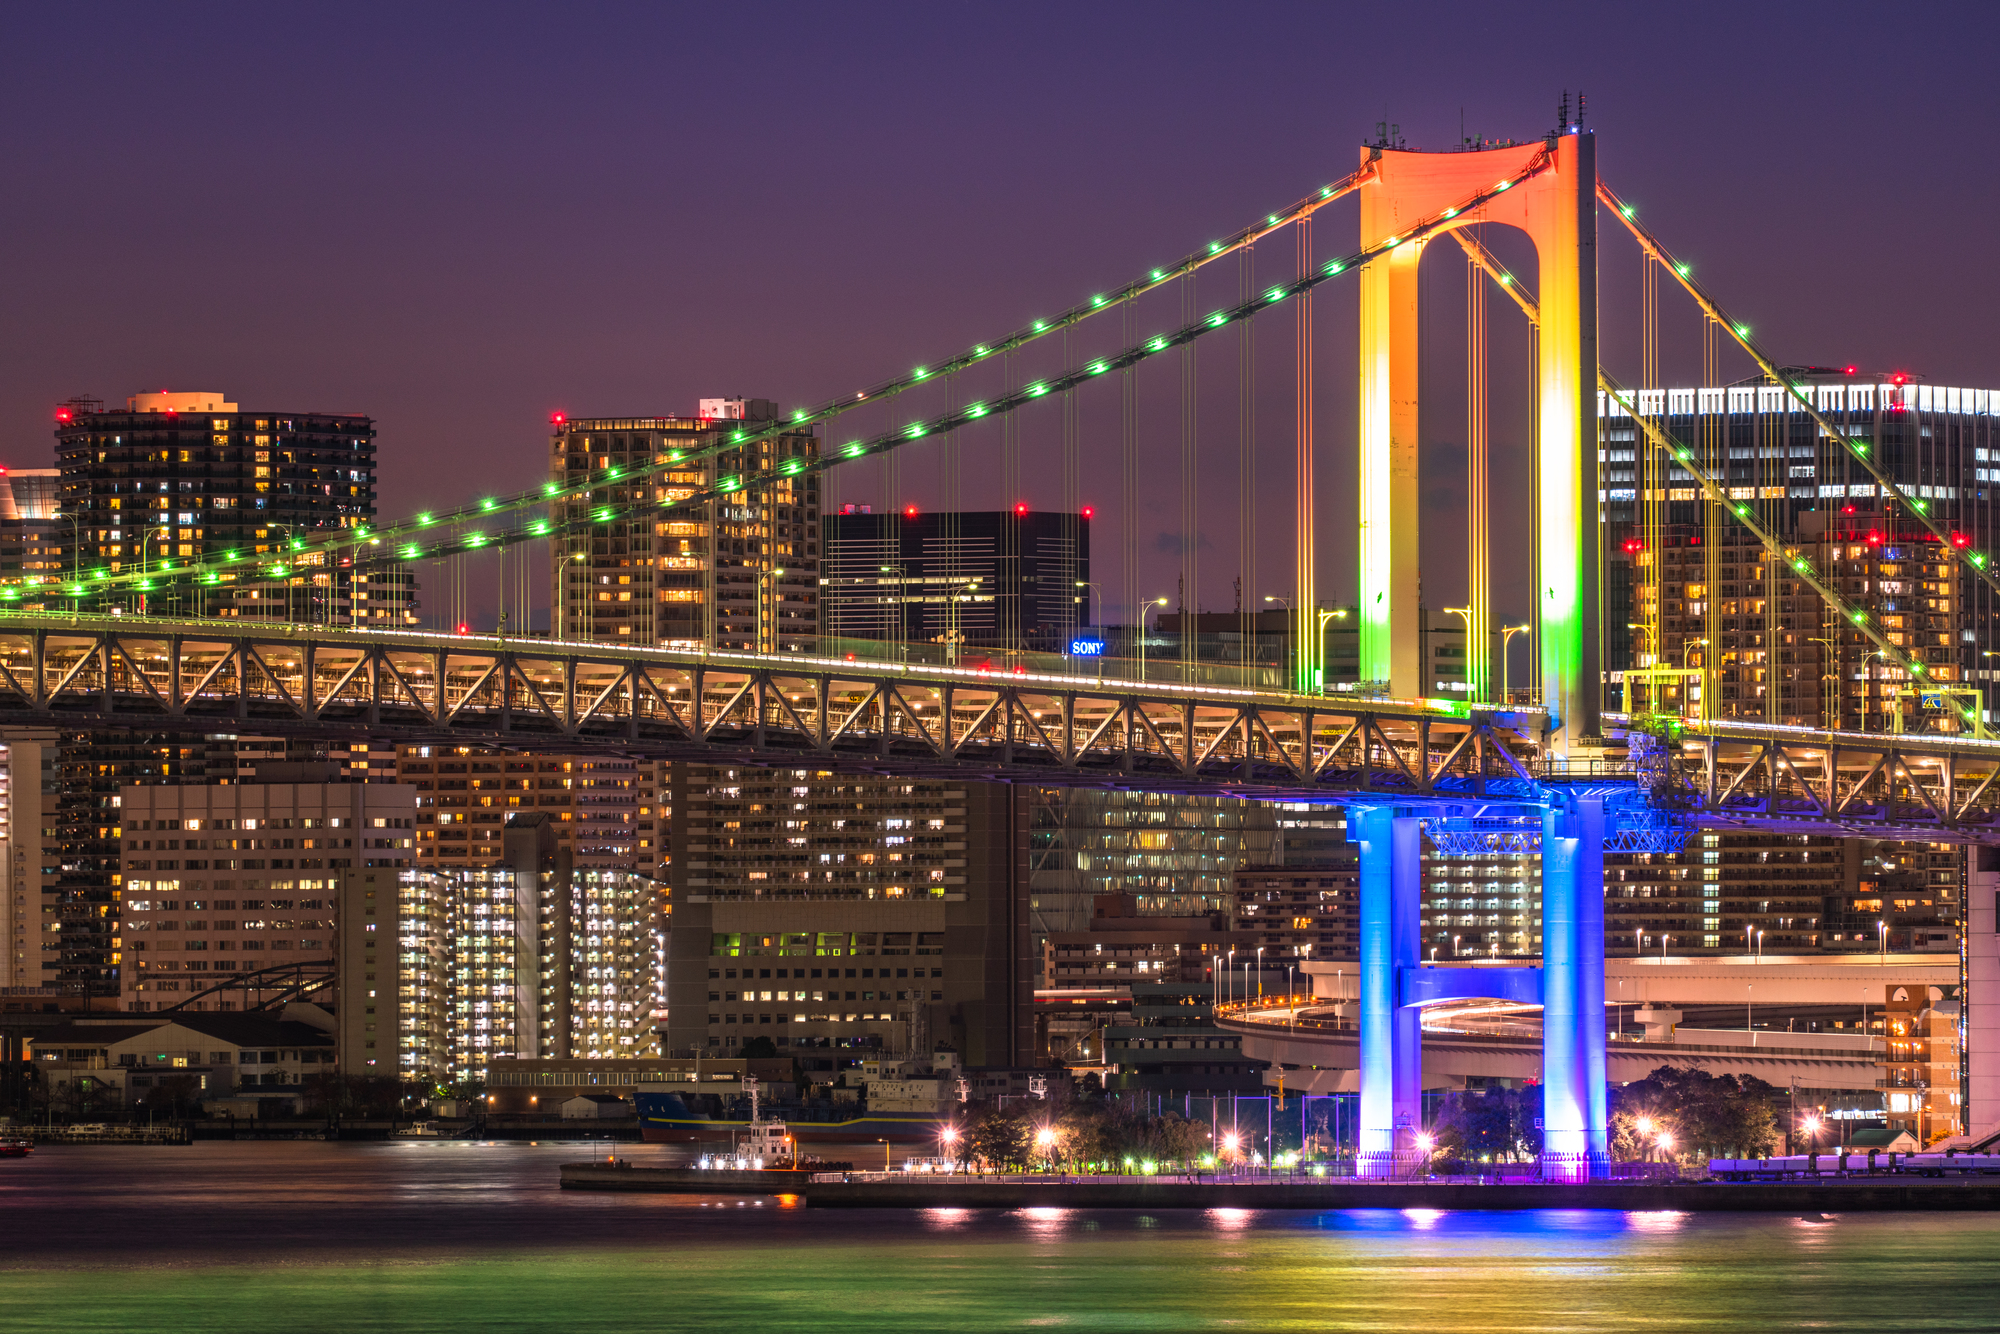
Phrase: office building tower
(176,476)
(740,571)
(1701,595)
(839,914)
(37,546)
(987,579)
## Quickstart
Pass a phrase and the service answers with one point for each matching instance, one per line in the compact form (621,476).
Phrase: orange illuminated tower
(1555,207)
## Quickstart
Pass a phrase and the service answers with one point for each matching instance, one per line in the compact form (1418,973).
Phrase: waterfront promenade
(914,1190)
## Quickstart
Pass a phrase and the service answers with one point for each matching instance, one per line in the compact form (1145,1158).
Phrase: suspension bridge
(1555,772)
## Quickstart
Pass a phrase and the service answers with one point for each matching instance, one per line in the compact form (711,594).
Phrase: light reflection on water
(450,1237)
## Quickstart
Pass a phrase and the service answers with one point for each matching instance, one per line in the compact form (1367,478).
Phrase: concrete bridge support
(1391,1059)
(1395,985)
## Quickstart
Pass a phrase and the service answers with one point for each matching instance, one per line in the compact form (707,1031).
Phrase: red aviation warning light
(1874,537)
(1633,544)
(1020,509)
(1089,512)
(63,414)
(909,511)
(557,419)
(1850,370)
(1960,540)
(463,628)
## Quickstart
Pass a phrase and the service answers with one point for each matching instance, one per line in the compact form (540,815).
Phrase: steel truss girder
(1873,785)
(115,672)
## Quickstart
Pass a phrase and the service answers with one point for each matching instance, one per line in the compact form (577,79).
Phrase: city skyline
(299,304)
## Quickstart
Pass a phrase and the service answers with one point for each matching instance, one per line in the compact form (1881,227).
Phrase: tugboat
(764,1143)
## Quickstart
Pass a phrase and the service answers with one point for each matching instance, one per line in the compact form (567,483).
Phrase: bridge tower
(1557,209)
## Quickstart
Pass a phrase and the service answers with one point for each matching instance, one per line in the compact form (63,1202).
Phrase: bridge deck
(1024,723)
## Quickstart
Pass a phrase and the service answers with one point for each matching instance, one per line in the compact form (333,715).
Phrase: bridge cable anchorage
(799,465)
(494,507)
(1680,454)
(1976,561)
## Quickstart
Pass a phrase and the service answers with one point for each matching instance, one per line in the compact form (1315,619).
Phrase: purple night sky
(460,219)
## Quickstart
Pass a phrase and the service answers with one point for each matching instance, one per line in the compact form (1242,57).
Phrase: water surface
(307,1238)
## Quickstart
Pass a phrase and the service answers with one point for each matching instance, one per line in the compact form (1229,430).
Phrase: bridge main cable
(797,466)
(367,536)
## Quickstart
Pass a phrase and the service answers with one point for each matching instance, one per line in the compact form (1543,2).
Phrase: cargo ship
(665,1118)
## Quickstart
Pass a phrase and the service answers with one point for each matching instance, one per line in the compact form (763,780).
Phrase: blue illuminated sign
(1086,648)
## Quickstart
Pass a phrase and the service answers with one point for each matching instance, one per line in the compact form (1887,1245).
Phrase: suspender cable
(1684,458)
(415,541)
(1305,620)
(1478,526)
(1246,461)
(1979,562)
(1190,598)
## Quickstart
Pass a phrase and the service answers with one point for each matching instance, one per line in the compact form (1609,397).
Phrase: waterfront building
(248,1064)
(839,914)
(967,580)
(1169,1044)
(739,572)
(1920,1058)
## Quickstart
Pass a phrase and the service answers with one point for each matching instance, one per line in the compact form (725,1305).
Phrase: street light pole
(1464,614)
(1507,633)
(1319,641)
(1151,602)
(562,594)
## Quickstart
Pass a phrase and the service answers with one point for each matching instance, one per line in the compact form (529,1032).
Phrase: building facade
(243,886)
(530,958)
(466,794)
(738,572)
(984,579)
(838,914)
(175,476)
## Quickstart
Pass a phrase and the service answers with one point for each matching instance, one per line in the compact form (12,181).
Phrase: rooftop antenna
(1579,108)
(1562,113)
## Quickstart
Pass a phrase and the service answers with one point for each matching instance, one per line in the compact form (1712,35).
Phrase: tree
(760,1048)
(174,1096)
(1000,1137)
(1713,1116)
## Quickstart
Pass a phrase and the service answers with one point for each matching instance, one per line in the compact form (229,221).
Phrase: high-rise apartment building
(738,572)
(466,794)
(175,476)
(838,914)
(984,579)
(527,958)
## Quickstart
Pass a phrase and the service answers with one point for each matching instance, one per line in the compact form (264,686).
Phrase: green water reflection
(409,1241)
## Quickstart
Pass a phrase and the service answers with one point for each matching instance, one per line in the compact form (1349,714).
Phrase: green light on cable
(1098,368)
(1037,390)
(854,449)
